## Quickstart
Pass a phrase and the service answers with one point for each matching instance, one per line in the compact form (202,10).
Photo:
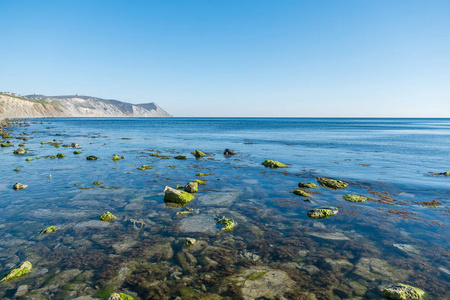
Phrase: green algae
(322,212)
(144,167)
(120,296)
(107,217)
(354,198)
(29,159)
(199,181)
(159,156)
(20,271)
(48,230)
(273,164)
(331,183)
(256,275)
(301,193)
(177,196)
(402,291)
(228,224)
(97,183)
(60,155)
(3,145)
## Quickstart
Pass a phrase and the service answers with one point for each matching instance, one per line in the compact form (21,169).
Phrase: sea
(399,234)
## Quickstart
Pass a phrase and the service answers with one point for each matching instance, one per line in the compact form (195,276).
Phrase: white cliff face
(75,106)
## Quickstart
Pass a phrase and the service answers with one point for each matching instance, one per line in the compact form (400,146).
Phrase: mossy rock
(273,164)
(92,157)
(17,170)
(189,242)
(144,167)
(107,217)
(301,193)
(402,291)
(20,271)
(228,224)
(76,152)
(97,183)
(199,181)
(202,174)
(20,151)
(181,157)
(120,296)
(177,196)
(116,157)
(29,159)
(322,212)
(48,230)
(199,154)
(191,187)
(307,185)
(60,155)
(331,183)
(3,145)
(354,198)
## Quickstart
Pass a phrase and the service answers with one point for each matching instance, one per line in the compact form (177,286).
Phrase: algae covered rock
(181,157)
(74,145)
(76,152)
(60,155)
(306,185)
(19,186)
(402,291)
(331,183)
(20,271)
(177,196)
(191,187)
(116,157)
(322,212)
(273,164)
(97,183)
(20,151)
(198,154)
(107,217)
(92,157)
(144,167)
(120,296)
(228,224)
(29,159)
(301,193)
(354,198)
(48,230)
(189,242)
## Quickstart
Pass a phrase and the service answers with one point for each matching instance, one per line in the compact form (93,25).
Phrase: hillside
(73,106)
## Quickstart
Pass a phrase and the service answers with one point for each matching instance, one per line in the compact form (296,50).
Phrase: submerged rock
(306,185)
(189,242)
(107,217)
(402,291)
(406,248)
(354,198)
(331,183)
(191,187)
(301,193)
(229,152)
(181,157)
(177,196)
(322,212)
(19,186)
(273,164)
(92,157)
(22,270)
(120,296)
(20,151)
(48,230)
(198,154)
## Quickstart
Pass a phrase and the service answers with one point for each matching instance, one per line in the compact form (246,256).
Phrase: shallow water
(367,246)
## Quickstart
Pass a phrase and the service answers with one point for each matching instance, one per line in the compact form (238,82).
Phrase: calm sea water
(276,250)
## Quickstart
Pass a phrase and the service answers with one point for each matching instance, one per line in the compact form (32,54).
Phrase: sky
(235,58)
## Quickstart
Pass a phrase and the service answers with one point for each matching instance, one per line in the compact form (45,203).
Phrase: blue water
(393,157)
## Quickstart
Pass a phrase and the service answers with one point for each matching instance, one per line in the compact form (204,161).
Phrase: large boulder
(177,196)
(331,183)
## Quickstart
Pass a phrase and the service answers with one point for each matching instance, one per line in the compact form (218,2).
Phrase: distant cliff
(73,106)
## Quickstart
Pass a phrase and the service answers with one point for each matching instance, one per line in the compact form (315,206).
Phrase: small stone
(306,185)
(301,193)
(48,230)
(273,164)
(19,186)
(190,241)
(97,183)
(199,154)
(180,157)
(120,296)
(20,151)
(191,187)
(116,157)
(76,152)
(29,159)
(21,290)
(107,217)
(177,196)
(331,183)
(229,152)
(228,224)
(354,198)
(92,157)
(60,155)
(74,145)
(322,212)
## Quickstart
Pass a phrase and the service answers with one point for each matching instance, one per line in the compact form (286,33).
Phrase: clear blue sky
(235,58)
